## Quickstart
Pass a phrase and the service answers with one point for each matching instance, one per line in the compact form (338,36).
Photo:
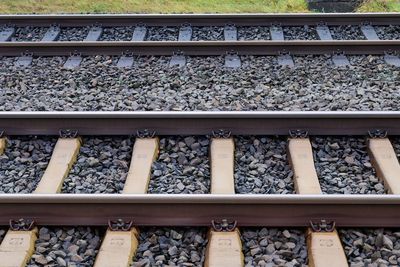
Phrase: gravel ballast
(101,167)
(300,33)
(254,33)
(207,33)
(204,84)
(162,34)
(72,247)
(73,33)
(343,166)
(28,34)
(261,166)
(23,163)
(371,247)
(182,166)
(171,247)
(396,146)
(346,32)
(274,247)
(391,32)
(117,34)
(2,234)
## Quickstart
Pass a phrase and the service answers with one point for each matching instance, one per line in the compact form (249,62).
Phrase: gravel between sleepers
(171,247)
(73,33)
(117,34)
(274,247)
(72,247)
(254,33)
(162,33)
(391,32)
(204,84)
(261,166)
(396,146)
(182,166)
(207,33)
(371,247)
(343,166)
(23,163)
(346,32)
(28,34)
(2,234)
(300,33)
(101,167)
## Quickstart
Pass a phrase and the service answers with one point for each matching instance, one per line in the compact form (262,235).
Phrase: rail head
(199,123)
(250,19)
(204,48)
(200,210)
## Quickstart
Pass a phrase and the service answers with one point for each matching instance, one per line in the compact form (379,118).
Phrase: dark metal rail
(202,19)
(200,210)
(206,48)
(199,123)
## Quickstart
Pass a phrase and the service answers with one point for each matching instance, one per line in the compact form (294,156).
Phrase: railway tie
(324,245)
(18,245)
(224,247)
(188,62)
(120,245)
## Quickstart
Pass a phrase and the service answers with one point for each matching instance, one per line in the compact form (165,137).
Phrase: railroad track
(170,161)
(199,188)
(151,74)
(191,35)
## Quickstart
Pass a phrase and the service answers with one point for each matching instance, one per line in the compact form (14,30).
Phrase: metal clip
(221,133)
(284,53)
(338,53)
(323,226)
(27,54)
(366,23)
(127,53)
(178,53)
(96,25)
(224,225)
(68,133)
(54,27)
(22,224)
(322,24)
(298,133)
(145,133)
(1,134)
(276,24)
(120,225)
(186,25)
(230,25)
(390,53)
(141,24)
(231,53)
(377,133)
(75,54)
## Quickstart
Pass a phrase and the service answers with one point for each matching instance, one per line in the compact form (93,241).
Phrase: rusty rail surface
(200,210)
(294,19)
(203,48)
(200,122)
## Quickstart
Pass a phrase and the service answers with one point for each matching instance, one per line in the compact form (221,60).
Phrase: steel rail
(200,210)
(76,20)
(200,48)
(200,122)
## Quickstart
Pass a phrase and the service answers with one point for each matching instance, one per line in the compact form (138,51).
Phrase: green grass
(175,6)
(151,6)
(380,6)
